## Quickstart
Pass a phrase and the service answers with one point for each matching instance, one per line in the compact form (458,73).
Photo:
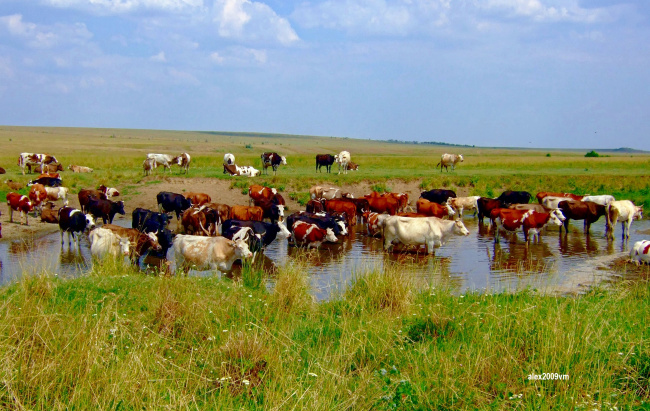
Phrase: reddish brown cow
(310,235)
(581,210)
(140,242)
(37,194)
(257,192)
(340,207)
(432,209)
(194,222)
(84,197)
(239,212)
(47,168)
(540,196)
(222,209)
(485,206)
(413,215)
(314,206)
(383,204)
(531,221)
(50,175)
(19,202)
(198,199)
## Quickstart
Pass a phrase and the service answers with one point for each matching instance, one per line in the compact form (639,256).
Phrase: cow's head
(284,160)
(460,158)
(241,249)
(459,228)
(329,236)
(283,229)
(450,209)
(153,240)
(125,246)
(638,213)
(558,214)
(555,217)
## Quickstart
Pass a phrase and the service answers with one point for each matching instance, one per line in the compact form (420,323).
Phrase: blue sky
(526,73)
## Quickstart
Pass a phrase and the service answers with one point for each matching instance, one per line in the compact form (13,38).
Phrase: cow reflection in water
(323,256)
(22,247)
(261,262)
(520,257)
(578,245)
(71,260)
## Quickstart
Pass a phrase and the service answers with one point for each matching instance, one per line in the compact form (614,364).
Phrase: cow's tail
(438,164)
(612,218)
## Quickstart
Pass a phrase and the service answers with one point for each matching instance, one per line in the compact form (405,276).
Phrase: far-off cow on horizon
(447,160)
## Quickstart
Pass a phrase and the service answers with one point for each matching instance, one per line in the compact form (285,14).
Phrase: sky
(507,73)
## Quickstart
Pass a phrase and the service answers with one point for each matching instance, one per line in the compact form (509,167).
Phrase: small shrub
(548,154)
(592,153)
(249,146)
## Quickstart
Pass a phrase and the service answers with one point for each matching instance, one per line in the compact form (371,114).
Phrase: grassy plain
(120,339)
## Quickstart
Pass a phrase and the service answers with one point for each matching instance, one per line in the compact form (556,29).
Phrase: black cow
(485,206)
(172,202)
(268,231)
(336,223)
(514,197)
(47,181)
(148,221)
(273,160)
(247,234)
(324,160)
(106,209)
(439,196)
(72,221)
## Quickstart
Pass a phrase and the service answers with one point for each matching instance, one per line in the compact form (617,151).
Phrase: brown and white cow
(640,253)
(310,235)
(37,195)
(47,168)
(431,209)
(26,159)
(183,161)
(530,221)
(109,191)
(239,212)
(272,160)
(57,193)
(20,203)
(14,185)
(148,165)
(140,243)
(257,192)
(207,253)
(79,169)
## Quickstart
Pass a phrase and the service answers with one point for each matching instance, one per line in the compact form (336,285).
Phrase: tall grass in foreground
(119,339)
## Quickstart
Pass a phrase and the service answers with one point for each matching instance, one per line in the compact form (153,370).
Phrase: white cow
(207,253)
(342,159)
(229,158)
(164,160)
(248,171)
(640,253)
(602,199)
(105,242)
(57,193)
(427,231)
(624,211)
(449,160)
(463,203)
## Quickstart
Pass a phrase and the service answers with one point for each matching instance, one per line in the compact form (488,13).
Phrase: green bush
(592,153)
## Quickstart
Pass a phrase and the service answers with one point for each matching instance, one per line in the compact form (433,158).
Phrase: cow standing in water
(447,160)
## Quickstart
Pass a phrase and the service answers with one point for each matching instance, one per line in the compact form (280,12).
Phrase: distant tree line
(433,143)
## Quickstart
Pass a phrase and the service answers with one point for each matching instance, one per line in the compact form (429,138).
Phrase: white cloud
(251,20)
(545,11)
(160,57)
(41,36)
(240,56)
(127,6)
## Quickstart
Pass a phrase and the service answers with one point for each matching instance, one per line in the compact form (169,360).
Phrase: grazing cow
(198,199)
(314,206)
(105,242)
(73,221)
(325,160)
(249,171)
(14,185)
(46,181)
(195,221)
(148,165)
(601,199)
(183,161)
(47,168)
(438,195)
(49,214)
(581,210)
(246,234)
(164,160)
(322,220)
(447,160)
(239,212)
(85,195)
(530,221)
(388,205)
(26,159)
(485,207)
(20,203)
(258,192)
(228,159)
(272,160)
(569,196)
(345,207)
(431,209)
(343,159)
(208,253)
(626,212)
(108,191)
(104,209)
(640,253)
(37,195)
(80,169)
(57,193)
(460,204)
(140,243)
(268,232)
(430,231)
(353,166)
(310,235)
(270,210)
(172,202)
(514,197)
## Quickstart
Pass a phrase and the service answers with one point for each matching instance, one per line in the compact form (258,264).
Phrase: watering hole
(557,263)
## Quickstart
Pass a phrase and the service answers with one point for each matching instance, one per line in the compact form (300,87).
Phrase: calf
(431,209)
(324,160)
(198,199)
(80,169)
(73,221)
(205,253)
(183,161)
(106,209)
(140,243)
(85,195)
(581,210)
(105,242)
(437,195)
(20,203)
(14,185)
(148,165)
(108,191)
(310,235)
(172,202)
(353,166)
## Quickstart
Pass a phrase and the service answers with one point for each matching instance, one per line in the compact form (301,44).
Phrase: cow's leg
(566,226)
(11,214)
(26,218)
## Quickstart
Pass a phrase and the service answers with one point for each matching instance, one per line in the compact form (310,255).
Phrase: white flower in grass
(311,374)
(246,382)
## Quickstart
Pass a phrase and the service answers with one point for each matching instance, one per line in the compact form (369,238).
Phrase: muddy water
(556,263)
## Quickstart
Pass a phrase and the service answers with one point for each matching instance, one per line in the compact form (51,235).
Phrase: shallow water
(473,262)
